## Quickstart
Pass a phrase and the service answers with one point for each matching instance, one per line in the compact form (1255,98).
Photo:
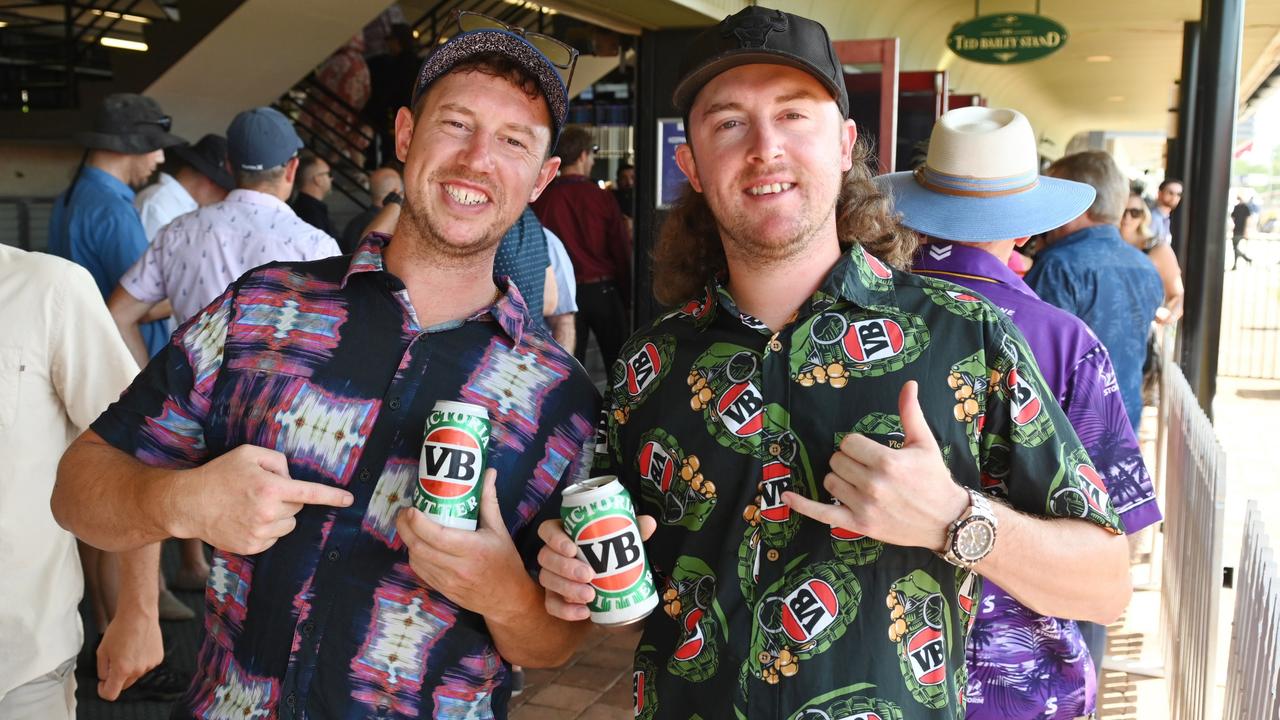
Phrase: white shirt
(61,363)
(198,255)
(562,270)
(159,203)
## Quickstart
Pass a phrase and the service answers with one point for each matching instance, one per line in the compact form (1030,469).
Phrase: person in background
(61,364)
(1240,215)
(94,223)
(385,185)
(198,255)
(1087,269)
(1023,664)
(560,317)
(1168,195)
(1135,228)
(595,233)
(314,182)
(194,176)
(624,189)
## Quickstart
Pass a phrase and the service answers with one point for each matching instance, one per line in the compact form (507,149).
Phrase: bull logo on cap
(752,30)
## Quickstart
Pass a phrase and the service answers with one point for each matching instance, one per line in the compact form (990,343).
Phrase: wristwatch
(393,197)
(971,537)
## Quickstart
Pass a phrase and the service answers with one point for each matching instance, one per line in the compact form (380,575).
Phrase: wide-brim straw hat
(981,182)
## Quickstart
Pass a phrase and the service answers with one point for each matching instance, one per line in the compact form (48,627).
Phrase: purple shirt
(1021,664)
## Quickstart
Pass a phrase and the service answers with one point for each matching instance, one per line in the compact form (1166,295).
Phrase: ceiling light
(3,23)
(1116,98)
(126,16)
(416,34)
(121,44)
(1098,58)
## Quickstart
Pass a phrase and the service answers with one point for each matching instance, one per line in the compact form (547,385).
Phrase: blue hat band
(969,186)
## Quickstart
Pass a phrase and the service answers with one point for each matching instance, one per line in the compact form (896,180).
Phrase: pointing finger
(311,493)
(834,515)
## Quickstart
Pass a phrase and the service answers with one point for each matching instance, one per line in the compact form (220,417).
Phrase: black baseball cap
(466,45)
(758,34)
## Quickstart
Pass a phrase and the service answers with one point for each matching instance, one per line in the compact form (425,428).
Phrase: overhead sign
(1007,38)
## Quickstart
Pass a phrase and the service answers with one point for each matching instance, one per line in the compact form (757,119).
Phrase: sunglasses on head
(560,54)
(1134,213)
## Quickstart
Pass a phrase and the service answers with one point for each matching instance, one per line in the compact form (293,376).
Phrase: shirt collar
(1088,233)
(951,260)
(108,181)
(254,197)
(509,311)
(858,277)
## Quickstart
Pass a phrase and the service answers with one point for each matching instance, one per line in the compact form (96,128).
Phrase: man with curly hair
(833,450)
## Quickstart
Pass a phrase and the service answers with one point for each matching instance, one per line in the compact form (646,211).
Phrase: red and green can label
(452,464)
(599,516)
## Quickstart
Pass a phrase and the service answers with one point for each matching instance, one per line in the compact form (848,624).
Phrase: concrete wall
(36,169)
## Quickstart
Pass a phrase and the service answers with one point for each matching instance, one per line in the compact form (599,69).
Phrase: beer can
(599,516)
(452,464)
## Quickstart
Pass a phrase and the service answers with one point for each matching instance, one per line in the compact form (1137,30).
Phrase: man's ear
(688,165)
(848,138)
(1019,242)
(404,132)
(291,170)
(545,176)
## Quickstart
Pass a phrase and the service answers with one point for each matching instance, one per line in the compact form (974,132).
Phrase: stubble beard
(760,248)
(428,233)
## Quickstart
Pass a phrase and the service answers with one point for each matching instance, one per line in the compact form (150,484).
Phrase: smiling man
(813,430)
(283,426)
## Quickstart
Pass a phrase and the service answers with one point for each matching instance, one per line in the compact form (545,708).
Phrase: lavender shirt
(1021,664)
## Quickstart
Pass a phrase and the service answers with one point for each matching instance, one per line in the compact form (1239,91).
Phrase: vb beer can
(452,464)
(599,516)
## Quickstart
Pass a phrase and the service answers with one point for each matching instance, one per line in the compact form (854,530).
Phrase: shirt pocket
(11,371)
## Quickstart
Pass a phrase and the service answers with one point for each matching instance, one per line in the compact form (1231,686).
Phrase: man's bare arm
(564,330)
(241,502)
(128,311)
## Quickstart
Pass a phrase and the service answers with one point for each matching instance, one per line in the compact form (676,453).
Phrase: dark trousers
(1235,248)
(601,310)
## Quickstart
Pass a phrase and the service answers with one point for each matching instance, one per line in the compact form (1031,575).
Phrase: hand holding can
(599,517)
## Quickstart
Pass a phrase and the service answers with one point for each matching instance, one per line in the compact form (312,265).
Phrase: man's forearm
(159,311)
(1060,567)
(108,498)
(563,330)
(526,635)
(139,580)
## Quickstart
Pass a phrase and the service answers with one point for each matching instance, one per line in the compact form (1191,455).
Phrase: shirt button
(291,700)
(775,345)
(333,556)
(364,475)
(775,449)
(772,554)
(394,404)
(308,627)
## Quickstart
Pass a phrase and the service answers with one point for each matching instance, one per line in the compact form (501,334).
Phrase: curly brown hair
(689,250)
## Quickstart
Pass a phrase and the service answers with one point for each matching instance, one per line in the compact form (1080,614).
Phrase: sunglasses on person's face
(1134,213)
(562,55)
(164,121)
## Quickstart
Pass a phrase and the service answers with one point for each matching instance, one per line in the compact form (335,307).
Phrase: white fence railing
(1194,474)
(1253,665)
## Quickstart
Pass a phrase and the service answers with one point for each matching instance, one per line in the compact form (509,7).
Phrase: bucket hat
(129,123)
(981,181)
(209,158)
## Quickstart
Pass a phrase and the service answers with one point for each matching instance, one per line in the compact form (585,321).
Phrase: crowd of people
(897,480)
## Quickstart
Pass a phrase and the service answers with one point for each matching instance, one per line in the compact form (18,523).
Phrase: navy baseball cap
(503,42)
(760,35)
(260,139)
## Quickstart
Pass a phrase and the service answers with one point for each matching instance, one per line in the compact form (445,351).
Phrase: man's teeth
(770,189)
(465,197)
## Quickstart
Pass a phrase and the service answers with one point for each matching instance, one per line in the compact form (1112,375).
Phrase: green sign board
(1007,38)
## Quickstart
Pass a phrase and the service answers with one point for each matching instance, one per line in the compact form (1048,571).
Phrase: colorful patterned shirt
(1023,664)
(766,613)
(326,362)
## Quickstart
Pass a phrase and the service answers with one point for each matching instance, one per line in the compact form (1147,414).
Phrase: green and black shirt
(766,613)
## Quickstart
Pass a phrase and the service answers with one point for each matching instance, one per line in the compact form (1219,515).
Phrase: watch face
(974,541)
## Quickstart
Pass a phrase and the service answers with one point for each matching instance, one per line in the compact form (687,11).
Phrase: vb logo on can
(642,368)
(600,518)
(452,463)
(928,656)
(808,610)
(870,340)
